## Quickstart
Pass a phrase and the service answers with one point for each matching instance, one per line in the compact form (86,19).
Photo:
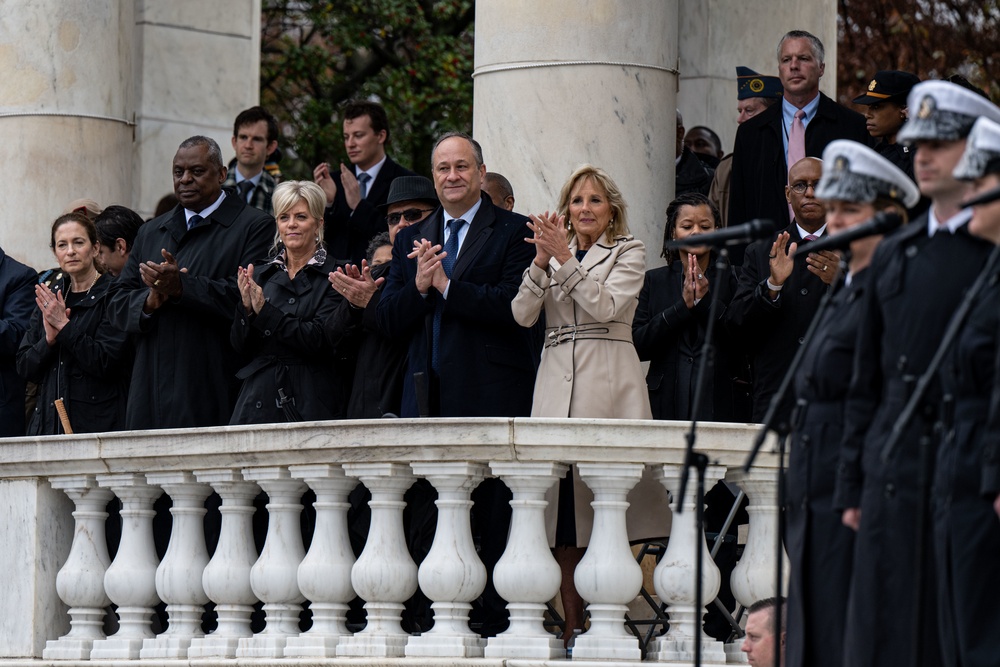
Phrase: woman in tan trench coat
(586,275)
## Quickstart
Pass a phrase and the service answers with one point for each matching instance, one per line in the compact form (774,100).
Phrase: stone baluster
(385,575)
(179,576)
(608,577)
(527,575)
(80,582)
(131,579)
(451,575)
(226,578)
(674,577)
(325,574)
(274,577)
(753,576)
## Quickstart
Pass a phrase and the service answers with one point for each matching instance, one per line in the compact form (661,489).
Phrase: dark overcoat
(185,367)
(487,359)
(820,548)
(771,331)
(88,367)
(670,336)
(17,302)
(917,282)
(288,350)
(966,529)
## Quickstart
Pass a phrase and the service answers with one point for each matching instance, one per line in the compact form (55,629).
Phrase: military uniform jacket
(820,548)
(670,336)
(771,331)
(185,368)
(88,368)
(917,283)
(288,349)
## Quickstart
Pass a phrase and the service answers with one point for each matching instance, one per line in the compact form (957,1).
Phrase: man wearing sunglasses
(410,200)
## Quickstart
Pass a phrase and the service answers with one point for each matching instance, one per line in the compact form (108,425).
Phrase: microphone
(883,222)
(987,197)
(749,231)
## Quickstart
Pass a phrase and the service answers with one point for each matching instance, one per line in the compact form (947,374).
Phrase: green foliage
(415,57)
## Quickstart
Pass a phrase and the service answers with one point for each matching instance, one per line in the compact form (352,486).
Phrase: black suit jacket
(757,185)
(487,359)
(773,330)
(17,303)
(347,234)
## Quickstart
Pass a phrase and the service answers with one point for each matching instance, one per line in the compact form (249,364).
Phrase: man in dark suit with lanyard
(354,195)
(802,125)
(452,279)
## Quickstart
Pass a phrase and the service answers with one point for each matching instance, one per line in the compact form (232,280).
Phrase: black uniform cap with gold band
(854,172)
(943,111)
(890,84)
(751,84)
(982,151)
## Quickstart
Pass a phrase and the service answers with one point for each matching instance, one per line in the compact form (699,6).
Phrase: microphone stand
(926,445)
(696,459)
(782,431)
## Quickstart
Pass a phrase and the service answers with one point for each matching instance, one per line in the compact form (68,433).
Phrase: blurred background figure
(705,144)
(856,184)
(17,302)
(585,278)
(279,322)
(499,189)
(71,350)
(116,227)
(691,174)
(885,113)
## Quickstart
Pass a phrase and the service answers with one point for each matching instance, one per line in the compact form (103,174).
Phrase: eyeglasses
(800,187)
(411,215)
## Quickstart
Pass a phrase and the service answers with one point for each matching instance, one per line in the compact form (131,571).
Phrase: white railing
(53,493)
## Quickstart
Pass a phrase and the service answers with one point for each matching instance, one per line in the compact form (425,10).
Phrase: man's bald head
(801,193)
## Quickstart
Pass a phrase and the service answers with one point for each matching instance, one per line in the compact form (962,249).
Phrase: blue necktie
(363,179)
(193,222)
(448,263)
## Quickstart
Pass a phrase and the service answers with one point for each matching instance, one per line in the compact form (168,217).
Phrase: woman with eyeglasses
(279,320)
(71,350)
(856,184)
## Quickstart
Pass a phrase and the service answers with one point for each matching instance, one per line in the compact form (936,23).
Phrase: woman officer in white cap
(856,184)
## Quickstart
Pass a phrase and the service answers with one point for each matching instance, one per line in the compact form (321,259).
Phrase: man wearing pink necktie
(801,126)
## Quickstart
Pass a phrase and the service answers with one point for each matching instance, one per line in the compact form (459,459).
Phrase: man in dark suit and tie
(449,290)
(452,279)
(802,125)
(255,136)
(354,196)
(177,294)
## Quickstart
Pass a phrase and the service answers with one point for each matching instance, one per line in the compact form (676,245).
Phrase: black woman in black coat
(966,490)
(279,320)
(857,182)
(71,350)
(670,322)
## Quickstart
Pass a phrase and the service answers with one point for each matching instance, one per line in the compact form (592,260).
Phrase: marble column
(564,82)
(608,577)
(325,573)
(131,579)
(451,575)
(385,575)
(274,577)
(179,576)
(675,576)
(80,582)
(227,576)
(527,575)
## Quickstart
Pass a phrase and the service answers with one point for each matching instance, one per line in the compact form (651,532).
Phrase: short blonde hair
(619,215)
(289,193)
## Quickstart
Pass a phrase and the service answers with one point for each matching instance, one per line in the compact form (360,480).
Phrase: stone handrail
(54,491)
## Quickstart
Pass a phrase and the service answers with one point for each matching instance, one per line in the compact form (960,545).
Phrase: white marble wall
(717,35)
(538,124)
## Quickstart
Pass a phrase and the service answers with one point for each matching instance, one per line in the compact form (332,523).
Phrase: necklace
(97,274)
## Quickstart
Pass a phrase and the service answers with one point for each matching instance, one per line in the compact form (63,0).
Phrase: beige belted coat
(589,367)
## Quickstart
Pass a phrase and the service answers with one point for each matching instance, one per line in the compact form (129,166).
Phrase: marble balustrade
(70,479)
